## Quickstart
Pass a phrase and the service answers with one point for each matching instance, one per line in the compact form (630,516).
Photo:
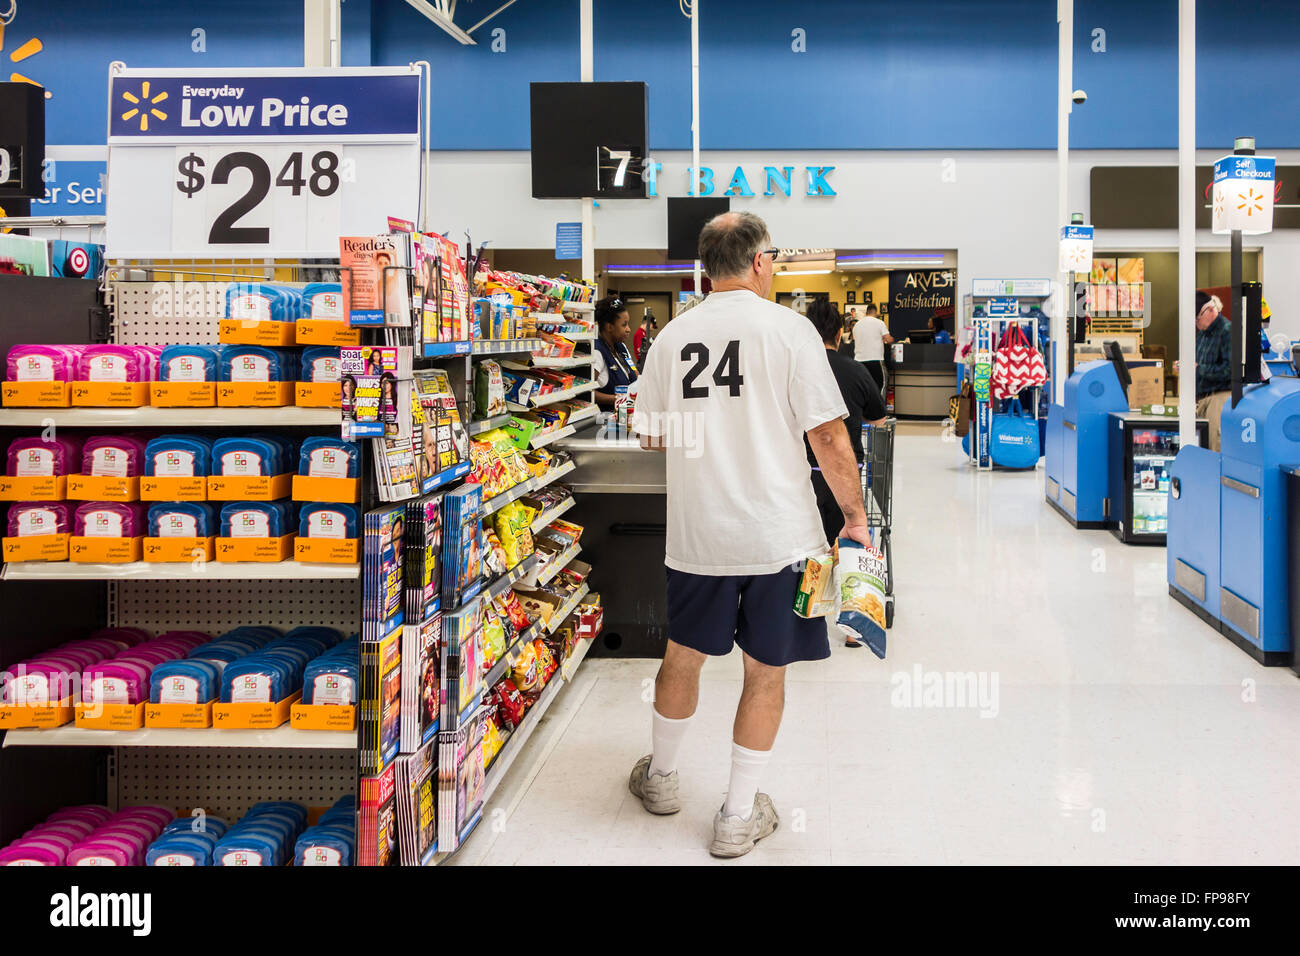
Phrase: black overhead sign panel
(1146,197)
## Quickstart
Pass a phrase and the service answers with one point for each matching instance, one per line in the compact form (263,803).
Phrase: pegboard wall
(218,606)
(166,313)
(225,782)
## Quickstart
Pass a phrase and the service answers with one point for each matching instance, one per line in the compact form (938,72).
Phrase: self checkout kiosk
(1077,449)
(1228,535)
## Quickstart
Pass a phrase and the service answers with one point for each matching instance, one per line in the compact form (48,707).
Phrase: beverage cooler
(1142,451)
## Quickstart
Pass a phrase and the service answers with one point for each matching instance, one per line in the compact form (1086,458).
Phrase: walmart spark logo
(1251,200)
(143,106)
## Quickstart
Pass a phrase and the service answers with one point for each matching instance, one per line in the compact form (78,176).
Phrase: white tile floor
(1123,729)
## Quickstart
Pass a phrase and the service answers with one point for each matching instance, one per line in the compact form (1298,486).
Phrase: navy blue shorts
(712,614)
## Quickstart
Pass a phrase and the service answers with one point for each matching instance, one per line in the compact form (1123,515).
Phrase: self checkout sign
(259,163)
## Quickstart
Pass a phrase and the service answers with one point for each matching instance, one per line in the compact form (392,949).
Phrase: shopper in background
(730,391)
(861,397)
(941,336)
(1213,362)
(644,337)
(846,339)
(611,362)
(870,336)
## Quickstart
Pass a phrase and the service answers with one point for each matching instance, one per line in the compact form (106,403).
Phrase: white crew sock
(746,769)
(666,742)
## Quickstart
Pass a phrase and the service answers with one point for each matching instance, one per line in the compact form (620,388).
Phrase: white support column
(587,65)
(322,33)
(1065,104)
(695,114)
(1187,199)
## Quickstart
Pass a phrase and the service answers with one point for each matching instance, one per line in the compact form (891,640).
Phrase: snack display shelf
(148,416)
(503,583)
(550,435)
(579,654)
(546,517)
(500,764)
(540,361)
(559,564)
(487,424)
(507,660)
(550,398)
(495,504)
(591,411)
(571,605)
(506,346)
(282,737)
(442,349)
(579,307)
(181,571)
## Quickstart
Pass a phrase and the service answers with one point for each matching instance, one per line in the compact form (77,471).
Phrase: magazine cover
(376,808)
(390,701)
(416,803)
(445,440)
(31,257)
(384,573)
(376,280)
(421,682)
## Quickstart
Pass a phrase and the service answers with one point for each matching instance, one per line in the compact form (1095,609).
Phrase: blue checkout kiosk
(1227,540)
(1076,452)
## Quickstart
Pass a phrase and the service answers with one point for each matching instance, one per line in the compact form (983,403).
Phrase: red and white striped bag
(1017,365)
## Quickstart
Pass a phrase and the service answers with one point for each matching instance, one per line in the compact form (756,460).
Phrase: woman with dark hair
(861,397)
(612,363)
(941,336)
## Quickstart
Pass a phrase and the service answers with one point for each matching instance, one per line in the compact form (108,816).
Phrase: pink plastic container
(103,851)
(96,813)
(115,682)
(158,814)
(21,855)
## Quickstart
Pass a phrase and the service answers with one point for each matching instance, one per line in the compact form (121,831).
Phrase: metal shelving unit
(282,737)
(160,571)
(150,416)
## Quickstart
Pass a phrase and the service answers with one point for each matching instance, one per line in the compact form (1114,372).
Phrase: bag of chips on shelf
(509,607)
(494,733)
(511,706)
(527,671)
(546,662)
(492,636)
(495,560)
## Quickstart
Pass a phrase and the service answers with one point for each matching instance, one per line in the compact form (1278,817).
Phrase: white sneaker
(658,792)
(736,836)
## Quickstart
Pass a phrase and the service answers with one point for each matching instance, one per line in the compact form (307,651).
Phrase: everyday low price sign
(249,163)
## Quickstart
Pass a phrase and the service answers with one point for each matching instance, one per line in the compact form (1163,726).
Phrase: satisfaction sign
(259,163)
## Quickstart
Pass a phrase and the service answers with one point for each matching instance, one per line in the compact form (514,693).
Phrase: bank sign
(811,181)
(259,163)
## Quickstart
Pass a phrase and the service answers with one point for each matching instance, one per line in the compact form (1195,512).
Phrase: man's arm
(834,453)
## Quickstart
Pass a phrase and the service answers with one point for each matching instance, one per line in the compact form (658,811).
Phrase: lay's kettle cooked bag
(862,594)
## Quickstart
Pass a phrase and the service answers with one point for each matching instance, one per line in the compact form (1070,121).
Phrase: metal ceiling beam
(441,14)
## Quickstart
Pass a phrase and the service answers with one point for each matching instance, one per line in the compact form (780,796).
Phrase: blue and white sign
(1243,194)
(1076,249)
(73,187)
(267,163)
(1002,307)
(568,240)
(163,104)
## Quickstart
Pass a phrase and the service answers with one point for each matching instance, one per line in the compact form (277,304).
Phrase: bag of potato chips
(862,594)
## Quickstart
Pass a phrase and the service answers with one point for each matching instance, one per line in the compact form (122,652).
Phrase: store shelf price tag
(249,163)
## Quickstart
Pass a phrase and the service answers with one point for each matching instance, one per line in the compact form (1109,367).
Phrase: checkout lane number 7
(726,375)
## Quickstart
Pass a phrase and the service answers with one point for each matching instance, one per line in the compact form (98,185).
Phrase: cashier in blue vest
(612,361)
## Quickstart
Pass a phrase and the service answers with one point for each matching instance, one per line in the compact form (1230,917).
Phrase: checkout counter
(622,507)
(1228,550)
(923,378)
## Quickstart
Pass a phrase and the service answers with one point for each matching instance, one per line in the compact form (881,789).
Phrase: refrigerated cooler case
(1142,451)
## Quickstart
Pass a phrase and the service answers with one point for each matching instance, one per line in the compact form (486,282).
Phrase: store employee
(612,363)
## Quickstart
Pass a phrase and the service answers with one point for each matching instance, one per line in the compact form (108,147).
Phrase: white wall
(996,208)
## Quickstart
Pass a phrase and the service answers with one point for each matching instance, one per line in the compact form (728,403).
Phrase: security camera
(1079,97)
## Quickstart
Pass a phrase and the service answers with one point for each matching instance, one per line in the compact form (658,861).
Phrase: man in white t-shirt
(870,336)
(729,392)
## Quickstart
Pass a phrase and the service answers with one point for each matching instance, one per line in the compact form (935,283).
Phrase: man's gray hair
(729,242)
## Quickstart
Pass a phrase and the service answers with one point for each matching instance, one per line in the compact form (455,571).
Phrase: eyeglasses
(771,252)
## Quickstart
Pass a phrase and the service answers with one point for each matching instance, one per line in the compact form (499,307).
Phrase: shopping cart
(878,497)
